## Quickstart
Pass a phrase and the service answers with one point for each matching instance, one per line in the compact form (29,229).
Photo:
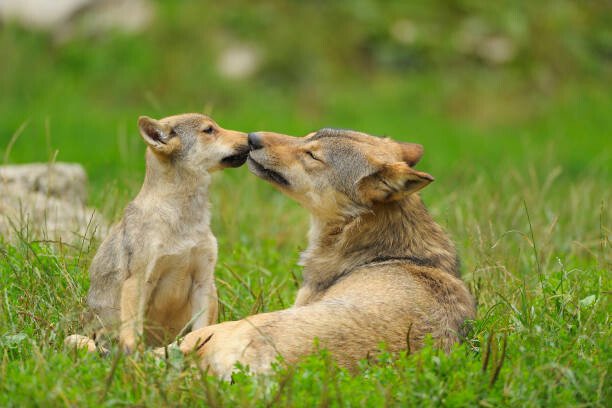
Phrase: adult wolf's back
(377,267)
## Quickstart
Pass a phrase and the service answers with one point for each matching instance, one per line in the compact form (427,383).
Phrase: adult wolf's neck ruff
(399,231)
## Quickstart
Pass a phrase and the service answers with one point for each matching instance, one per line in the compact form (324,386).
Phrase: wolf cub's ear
(157,136)
(392,182)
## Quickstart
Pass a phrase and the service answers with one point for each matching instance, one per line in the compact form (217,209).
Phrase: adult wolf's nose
(255,141)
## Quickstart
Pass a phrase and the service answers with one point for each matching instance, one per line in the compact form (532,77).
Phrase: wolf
(153,274)
(377,268)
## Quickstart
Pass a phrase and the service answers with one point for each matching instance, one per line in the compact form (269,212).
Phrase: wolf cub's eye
(209,129)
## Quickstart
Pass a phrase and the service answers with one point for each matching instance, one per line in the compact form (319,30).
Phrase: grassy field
(523,185)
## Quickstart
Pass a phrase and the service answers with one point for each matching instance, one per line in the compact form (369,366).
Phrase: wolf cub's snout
(152,277)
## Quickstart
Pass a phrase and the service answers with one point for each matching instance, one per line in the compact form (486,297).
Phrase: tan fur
(377,268)
(153,274)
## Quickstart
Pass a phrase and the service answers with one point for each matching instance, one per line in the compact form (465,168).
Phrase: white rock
(47,201)
(63,17)
(62,180)
(42,14)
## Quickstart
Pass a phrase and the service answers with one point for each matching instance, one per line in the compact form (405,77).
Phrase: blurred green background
(477,82)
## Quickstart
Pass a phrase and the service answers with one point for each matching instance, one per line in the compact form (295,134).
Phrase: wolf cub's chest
(175,273)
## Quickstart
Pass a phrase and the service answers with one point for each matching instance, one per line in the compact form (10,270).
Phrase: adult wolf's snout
(255,141)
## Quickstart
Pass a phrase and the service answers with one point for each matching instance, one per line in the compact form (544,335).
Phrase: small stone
(496,50)
(404,31)
(238,62)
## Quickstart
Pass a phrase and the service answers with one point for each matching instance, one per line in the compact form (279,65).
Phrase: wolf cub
(152,277)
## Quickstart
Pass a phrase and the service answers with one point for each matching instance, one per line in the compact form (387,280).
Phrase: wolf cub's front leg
(203,296)
(204,310)
(131,320)
(135,297)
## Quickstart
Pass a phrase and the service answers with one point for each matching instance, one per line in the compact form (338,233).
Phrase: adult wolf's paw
(160,352)
(76,341)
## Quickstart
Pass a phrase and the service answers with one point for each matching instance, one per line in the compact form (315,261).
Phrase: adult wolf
(377,267)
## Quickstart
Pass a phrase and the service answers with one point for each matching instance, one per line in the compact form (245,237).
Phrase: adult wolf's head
(332,172)
(193,141)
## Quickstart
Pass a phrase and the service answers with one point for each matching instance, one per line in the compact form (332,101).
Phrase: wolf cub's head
(194,141)
(332,172)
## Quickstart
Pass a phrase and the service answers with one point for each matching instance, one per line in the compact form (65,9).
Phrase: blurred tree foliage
(305,45)
(304,41)
(312,63)
(482,60)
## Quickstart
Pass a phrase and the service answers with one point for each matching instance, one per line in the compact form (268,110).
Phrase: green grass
(522,185)
(533,235)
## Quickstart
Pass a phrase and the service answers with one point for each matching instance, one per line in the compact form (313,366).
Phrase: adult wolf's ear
(392,182)
(411,153)
(159,138)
